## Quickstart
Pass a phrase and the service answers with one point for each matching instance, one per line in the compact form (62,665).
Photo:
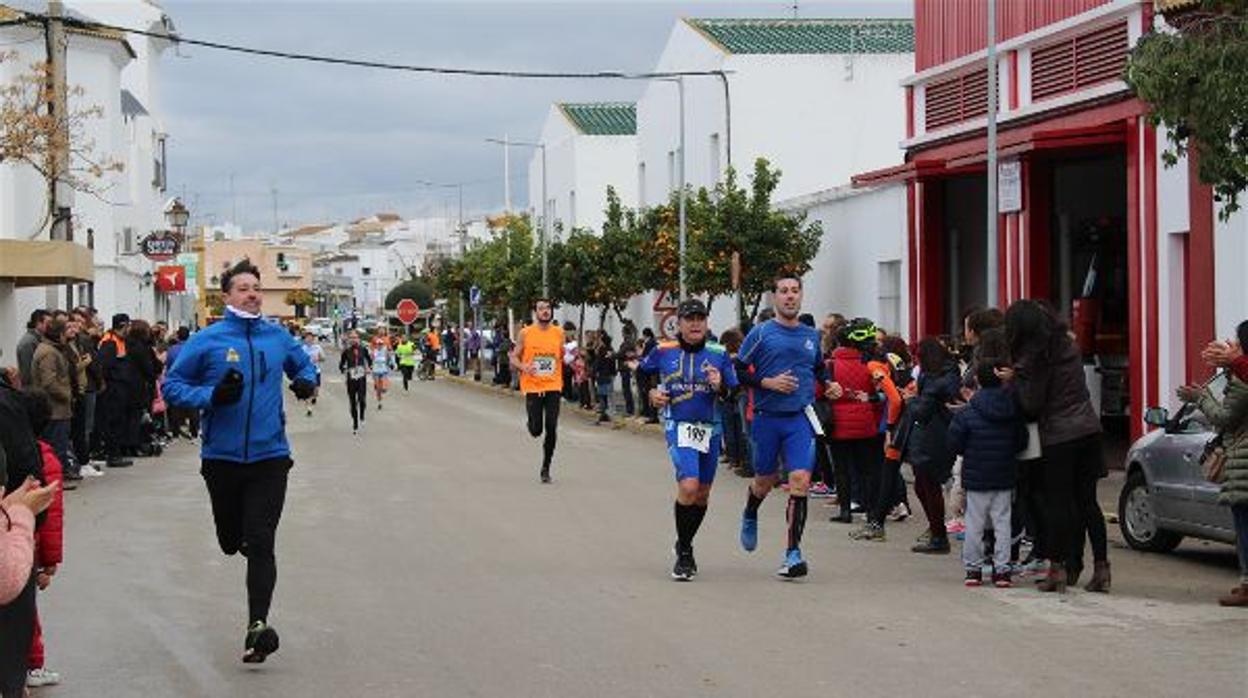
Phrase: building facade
(1089,218)
(282,269)
(589,146)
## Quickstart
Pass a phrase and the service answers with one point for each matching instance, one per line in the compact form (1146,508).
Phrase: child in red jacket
(49,539)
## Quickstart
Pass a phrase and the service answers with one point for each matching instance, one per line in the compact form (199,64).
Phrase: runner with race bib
(538,356)
(354,364)
(692,374)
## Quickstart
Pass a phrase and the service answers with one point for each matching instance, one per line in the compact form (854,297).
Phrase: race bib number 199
(544,365)
(695,436)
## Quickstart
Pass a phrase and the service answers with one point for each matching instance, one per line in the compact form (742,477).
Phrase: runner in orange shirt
(538,356)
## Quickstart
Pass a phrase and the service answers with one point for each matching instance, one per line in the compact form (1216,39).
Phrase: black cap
(120,320)
(693,306)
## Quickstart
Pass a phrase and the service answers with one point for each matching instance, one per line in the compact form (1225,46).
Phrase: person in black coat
(923,435)
(122,387)
(988,433)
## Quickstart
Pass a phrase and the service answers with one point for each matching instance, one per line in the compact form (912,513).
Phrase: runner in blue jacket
(232,371)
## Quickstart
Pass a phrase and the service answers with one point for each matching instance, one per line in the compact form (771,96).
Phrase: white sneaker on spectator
(42,677)
(91,471)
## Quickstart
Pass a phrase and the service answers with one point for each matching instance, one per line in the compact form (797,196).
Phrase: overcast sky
(339,143)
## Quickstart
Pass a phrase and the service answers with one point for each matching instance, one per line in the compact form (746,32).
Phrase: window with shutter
(1089,59)
(956,99)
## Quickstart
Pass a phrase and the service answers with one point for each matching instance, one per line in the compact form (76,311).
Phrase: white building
(589,146)
(117,74)
(815,97)
(861,268)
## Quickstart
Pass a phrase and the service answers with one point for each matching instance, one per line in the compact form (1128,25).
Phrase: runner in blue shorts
(691,375)
(780,360)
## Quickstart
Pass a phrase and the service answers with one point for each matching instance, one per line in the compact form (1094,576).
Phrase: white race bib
(355,373)
(544,365)
(695,436)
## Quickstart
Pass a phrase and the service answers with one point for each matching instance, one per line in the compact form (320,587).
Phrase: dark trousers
(542,410)
(357,395)
(1071,471)
(1029,507)
(858,461)
(888,494)
(247,500)
(932,498)
(78,441)
(57,435)
(645,381)
(626,380)
(17,627)
(407,374)
(178,416)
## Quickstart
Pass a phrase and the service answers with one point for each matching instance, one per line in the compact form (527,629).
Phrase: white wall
(1230,261)
(862,228)
(559,137)
(603,161)
(1173,224)
(819,118)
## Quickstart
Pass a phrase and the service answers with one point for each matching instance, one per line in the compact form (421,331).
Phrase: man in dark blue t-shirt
(693,374)
(781,360)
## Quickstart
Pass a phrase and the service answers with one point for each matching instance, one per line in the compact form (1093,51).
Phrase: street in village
(422,558)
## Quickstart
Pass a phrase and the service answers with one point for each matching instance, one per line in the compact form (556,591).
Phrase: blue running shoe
(749,533)
(794,566)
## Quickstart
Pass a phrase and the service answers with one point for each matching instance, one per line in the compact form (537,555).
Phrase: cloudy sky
(338,143)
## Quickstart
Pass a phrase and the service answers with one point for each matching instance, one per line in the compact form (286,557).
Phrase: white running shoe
(42,677)
(90,471)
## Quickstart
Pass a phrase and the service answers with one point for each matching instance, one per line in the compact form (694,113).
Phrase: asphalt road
(422,558)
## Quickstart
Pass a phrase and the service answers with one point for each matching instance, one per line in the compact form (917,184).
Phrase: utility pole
(680,85)
(58,205)
(506,174)
(993,268)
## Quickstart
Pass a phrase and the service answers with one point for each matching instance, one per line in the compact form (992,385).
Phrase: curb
(630,424)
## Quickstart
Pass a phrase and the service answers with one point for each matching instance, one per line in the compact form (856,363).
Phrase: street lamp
(545,213)
(177,215)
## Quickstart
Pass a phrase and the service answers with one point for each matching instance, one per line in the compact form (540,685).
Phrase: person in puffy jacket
(855,440)
(988,433)
(232,371)
(922,437)
(49,536)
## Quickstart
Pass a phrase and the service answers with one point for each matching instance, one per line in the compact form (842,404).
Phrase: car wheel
(1137,518)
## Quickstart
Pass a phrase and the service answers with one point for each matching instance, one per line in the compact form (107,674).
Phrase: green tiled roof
(602,118)
(809,36)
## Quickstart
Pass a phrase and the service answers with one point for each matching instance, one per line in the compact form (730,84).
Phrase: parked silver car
(1166,496)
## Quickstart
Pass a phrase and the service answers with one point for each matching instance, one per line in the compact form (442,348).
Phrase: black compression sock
(699,513)
(796,516)
(752,503)
(686,525)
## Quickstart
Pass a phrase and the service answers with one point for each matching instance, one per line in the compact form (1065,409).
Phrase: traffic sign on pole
(407,311)
(474,296)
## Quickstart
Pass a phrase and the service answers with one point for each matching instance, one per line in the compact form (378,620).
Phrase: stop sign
(407,311)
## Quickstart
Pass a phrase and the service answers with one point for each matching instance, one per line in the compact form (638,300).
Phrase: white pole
(506,173)
(993,266)
(680,86)
(545,227)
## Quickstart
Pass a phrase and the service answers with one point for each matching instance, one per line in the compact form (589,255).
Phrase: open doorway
(966,248)
(1089,277)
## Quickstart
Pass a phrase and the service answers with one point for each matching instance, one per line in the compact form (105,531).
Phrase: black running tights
(247,500)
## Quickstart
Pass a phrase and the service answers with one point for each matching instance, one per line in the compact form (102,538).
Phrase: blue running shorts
(790,434)
(690,462)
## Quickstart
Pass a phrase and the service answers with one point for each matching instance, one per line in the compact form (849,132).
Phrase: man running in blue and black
(780,359)
(692,374)
(232,372)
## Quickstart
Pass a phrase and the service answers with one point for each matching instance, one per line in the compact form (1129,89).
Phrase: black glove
(303,388)
(229,390)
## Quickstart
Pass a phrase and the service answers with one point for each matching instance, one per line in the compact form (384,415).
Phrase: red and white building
(1131,251)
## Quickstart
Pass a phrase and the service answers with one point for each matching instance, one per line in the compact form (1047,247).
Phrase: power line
(379,65)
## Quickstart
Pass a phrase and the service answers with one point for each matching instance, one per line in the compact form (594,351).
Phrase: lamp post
(545,213)
(177,216)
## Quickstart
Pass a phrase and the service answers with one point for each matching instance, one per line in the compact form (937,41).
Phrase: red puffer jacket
(852,418)
(49,538)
